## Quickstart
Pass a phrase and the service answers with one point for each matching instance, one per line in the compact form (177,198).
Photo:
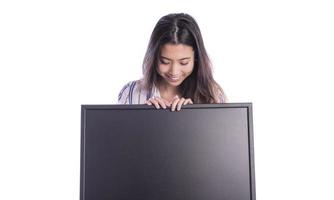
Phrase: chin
(174,84)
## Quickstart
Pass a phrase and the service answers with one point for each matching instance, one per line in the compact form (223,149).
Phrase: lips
(173,78)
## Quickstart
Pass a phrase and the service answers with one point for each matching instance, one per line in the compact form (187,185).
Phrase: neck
(167,90)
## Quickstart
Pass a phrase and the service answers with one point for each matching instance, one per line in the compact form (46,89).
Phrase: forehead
(176,51)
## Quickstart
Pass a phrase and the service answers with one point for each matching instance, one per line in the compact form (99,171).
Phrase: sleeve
(222,97)
(123,96)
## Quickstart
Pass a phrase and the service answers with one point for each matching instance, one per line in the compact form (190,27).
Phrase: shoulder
(221,96)
(130,91)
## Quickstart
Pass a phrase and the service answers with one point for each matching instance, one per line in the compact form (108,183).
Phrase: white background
(57,55)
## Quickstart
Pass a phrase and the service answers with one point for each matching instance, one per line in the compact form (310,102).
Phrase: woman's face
(176,62)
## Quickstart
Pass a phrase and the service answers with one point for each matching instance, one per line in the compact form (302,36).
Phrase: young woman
(176,68)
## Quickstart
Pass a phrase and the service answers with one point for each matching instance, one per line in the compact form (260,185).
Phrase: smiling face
(176,63)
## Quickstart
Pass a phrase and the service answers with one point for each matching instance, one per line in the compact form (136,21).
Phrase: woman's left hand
(177,102)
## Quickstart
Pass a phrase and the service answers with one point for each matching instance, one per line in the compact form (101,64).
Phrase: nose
(174,71)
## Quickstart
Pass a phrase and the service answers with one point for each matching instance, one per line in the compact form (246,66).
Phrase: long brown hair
(181,28)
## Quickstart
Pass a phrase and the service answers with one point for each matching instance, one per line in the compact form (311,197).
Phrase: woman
(177,70)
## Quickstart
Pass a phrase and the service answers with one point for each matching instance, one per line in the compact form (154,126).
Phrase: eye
(184,63)
(163,62)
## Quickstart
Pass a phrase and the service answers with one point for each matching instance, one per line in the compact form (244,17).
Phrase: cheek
(163,68)
(188,70)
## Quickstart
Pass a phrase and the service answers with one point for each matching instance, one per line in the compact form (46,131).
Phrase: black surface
(135,152)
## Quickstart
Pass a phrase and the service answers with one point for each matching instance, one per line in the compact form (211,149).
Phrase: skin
(176,61)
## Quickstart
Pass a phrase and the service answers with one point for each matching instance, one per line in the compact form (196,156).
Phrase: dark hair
(181,28)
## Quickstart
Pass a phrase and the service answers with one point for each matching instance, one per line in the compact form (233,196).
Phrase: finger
(187,101)
(155,102)
(174,102)
(179,104)
(161,102)
(148,102)
(167,103)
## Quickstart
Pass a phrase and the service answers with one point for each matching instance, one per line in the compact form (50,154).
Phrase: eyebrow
(171,59)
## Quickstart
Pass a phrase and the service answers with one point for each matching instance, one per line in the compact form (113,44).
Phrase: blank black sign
(136,152)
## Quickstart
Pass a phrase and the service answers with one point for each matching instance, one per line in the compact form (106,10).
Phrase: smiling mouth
(173,78)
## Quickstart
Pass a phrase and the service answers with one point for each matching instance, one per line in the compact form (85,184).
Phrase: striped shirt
(134,93)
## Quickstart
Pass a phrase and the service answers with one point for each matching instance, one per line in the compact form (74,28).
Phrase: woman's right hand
(175,104)
(158,102)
